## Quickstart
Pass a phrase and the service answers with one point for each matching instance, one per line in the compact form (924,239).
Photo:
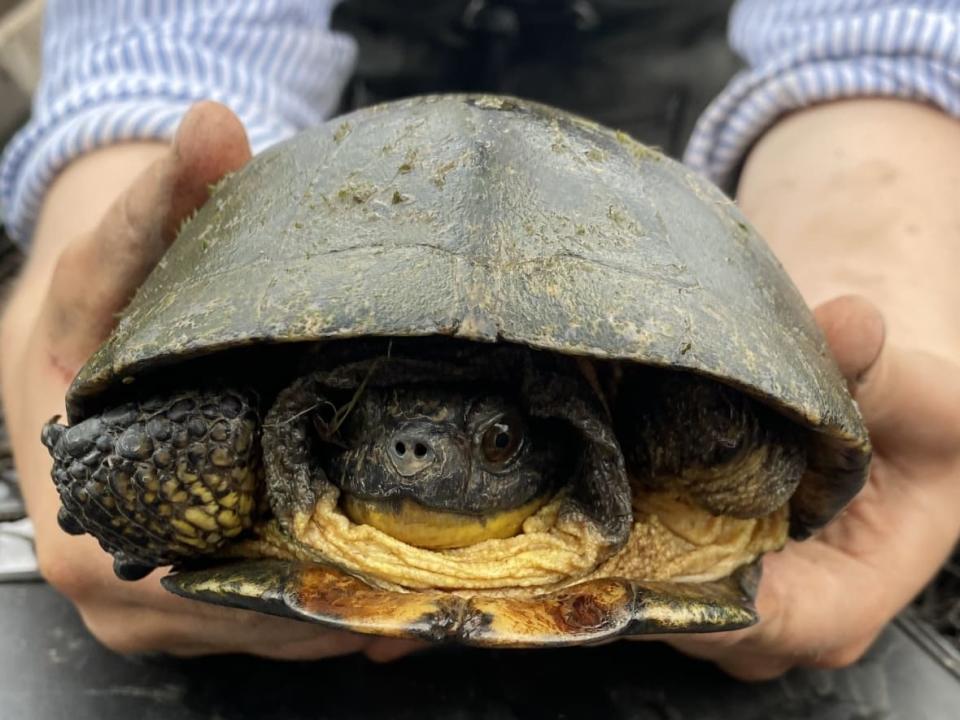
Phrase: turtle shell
(495,220)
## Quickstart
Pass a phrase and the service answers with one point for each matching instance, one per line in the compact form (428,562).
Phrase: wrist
(860,197)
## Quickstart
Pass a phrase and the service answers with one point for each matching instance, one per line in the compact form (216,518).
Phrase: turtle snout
(411,451)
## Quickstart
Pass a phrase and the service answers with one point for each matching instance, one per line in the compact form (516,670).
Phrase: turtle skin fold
(161,480)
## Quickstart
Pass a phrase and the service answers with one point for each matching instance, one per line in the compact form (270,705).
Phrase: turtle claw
(52,432)
(130,569)
(589,612)
(68,523)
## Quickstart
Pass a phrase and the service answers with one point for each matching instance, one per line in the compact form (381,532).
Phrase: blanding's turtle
(462,367)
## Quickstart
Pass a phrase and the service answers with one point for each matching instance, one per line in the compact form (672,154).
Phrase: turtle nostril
(410,452)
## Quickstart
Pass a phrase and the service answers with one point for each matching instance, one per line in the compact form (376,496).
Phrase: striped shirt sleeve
(802,52)
(116,71)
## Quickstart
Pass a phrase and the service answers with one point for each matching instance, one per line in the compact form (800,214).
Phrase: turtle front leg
(162,480)
(730,454)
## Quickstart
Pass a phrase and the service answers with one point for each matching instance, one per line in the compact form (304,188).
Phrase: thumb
(855,333)
(909,399)
(209,144)
(97,274)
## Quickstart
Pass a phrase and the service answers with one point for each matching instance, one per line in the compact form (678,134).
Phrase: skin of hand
(861,197)
(105,223)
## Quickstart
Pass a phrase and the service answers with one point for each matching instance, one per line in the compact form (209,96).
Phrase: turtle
(462,368)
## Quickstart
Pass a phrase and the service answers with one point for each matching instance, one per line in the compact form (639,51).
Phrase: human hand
(64,306)
(823,601)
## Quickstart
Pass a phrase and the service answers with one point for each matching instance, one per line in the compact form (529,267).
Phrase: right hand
(824,601)
(64,305)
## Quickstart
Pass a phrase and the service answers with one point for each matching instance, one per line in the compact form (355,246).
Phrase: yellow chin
(412,523)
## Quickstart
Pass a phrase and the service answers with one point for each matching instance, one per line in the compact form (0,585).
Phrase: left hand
(85,264)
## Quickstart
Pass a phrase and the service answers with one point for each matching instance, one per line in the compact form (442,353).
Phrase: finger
(854,330)
(99,273)
(383,650)
(210,143)
(909,401)
(816,609)
(893,387)
(213,630)
(132,617)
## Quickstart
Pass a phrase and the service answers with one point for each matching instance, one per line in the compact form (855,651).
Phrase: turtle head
(446,466)
(472,468)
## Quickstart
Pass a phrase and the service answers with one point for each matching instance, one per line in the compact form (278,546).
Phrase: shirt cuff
(132,76)
(813,57)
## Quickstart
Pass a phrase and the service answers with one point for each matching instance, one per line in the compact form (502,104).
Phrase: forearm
(127,72)
(863,196)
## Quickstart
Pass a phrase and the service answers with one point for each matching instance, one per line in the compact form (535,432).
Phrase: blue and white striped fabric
(116,70)
(128,69)
(802,52)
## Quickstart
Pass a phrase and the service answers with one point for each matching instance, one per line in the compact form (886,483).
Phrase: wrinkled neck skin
(490,470)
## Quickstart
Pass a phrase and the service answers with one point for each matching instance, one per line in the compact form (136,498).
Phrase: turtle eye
(502,439)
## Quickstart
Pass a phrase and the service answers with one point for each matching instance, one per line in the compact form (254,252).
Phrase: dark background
(51,668)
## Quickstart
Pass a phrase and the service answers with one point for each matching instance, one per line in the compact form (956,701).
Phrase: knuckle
(188,651)
(758,671)
(70,258)
(71,272)
(385,650)
(115,629)
(128,629)
(69,578)
(112,626)
(844,655)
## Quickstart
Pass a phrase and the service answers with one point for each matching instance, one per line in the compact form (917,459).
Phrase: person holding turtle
(838,136)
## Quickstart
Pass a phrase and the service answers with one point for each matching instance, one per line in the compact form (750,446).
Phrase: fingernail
(864,375)
(178,135)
